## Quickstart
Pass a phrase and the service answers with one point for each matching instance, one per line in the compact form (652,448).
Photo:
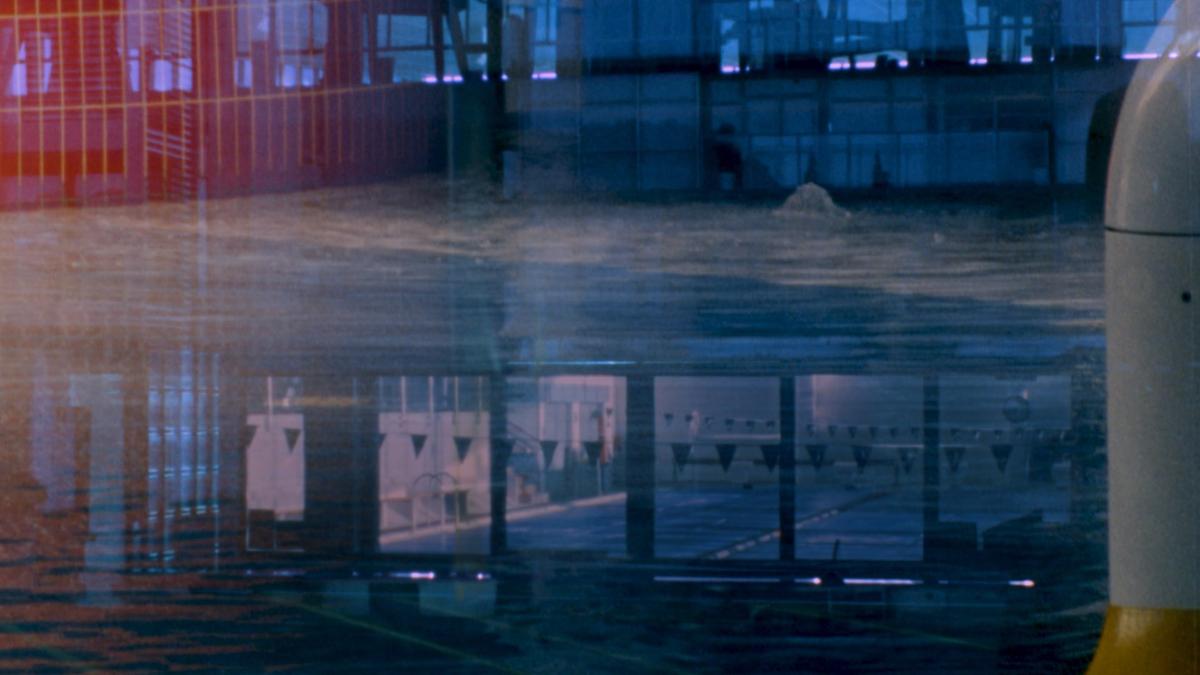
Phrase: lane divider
(773,535)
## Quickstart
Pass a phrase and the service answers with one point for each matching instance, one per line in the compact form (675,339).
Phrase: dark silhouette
(728,160)
(880,178)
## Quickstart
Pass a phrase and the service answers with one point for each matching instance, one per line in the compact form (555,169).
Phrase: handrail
(520,434)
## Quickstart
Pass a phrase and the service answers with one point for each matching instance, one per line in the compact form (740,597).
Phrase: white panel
(274,471)
(1154,428)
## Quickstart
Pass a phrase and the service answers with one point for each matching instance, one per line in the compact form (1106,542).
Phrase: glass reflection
(717,444)
(434,465)
(555,419)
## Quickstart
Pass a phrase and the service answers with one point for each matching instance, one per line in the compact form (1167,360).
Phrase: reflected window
(276,465)
(566,475)
(253,31)
(530,39)
(33,67)
(434,464)
(301,33)
(1148,30)
(184,437)
(716,454)
(158,51)
(403,49)
(287,44)
(417,392)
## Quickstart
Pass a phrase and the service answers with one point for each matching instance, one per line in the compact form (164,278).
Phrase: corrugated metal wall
(105,101)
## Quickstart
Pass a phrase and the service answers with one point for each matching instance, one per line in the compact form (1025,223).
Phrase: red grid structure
(119,101)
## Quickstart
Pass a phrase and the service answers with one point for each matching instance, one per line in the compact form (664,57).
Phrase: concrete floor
(352,278)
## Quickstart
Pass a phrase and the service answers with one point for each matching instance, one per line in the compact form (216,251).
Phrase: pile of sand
(810,200)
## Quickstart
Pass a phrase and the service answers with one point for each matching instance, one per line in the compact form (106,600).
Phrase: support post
(787,468)
(501,448)
(332,502)
(639,468)
(495,72)
(135,423)
(439,16)
(457,40)
(365,442)
(931,465)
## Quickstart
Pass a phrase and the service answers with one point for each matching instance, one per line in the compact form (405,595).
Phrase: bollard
(1152,271)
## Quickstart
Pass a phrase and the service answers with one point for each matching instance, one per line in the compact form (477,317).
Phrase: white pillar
(1152,276)
(576,430)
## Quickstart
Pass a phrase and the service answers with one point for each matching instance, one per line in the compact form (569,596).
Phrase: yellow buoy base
(1148,642)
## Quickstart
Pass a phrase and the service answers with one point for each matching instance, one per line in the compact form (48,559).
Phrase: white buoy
(1152,277)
